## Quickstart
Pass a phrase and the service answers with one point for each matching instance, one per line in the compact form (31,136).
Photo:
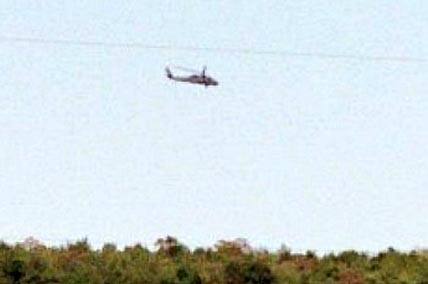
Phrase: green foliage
(234,273)
(186,275)
(14,271)
(258,273)
(244,272)
(171,247)
(229,262)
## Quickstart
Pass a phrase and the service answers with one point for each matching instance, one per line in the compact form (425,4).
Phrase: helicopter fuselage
(194,79)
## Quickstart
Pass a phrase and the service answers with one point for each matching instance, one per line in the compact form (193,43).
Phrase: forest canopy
(227,262)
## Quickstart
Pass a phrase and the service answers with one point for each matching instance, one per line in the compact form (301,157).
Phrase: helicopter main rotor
(190,70)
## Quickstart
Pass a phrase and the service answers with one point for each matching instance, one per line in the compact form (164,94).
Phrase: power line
(244,51)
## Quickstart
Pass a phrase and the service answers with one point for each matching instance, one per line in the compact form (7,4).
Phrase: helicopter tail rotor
(168,73)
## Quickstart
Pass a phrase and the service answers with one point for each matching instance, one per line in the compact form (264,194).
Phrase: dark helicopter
(201,78)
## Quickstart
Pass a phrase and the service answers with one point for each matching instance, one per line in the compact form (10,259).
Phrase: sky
(311,152)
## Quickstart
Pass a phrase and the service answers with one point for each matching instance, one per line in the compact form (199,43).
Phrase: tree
(171,247)
(243,272)
(258,273)
(186,275)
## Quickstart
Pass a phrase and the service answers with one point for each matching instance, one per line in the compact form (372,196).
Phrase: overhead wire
(243,51)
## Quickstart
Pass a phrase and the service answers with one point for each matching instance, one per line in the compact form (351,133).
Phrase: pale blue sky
(315,153)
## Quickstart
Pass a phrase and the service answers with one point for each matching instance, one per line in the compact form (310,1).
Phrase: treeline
(228,262)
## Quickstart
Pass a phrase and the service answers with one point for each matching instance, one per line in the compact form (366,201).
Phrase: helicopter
(201,78)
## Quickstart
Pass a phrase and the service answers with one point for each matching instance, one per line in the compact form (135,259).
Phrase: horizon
(52,244)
